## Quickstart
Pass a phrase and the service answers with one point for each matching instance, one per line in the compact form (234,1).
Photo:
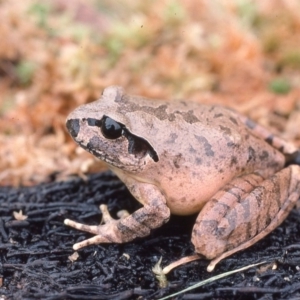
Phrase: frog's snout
(73,127)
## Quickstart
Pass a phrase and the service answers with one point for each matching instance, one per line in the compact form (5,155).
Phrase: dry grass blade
(212,279)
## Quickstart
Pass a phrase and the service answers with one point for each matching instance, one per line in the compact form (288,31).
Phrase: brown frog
(183,158)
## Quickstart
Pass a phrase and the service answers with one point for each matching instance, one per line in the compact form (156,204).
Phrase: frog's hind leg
(290,151)
(244,212)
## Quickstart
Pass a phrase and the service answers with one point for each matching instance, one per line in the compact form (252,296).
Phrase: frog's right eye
(111,129)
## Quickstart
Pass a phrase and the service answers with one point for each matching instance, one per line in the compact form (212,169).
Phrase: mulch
(35,252)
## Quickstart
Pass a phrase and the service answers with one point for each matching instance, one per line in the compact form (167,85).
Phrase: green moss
(280,86)
(131,36)
(271,44)
(174,13)
(247,10)
(41,12)
(25,71)
(7,104)
(114,47)
(291,59)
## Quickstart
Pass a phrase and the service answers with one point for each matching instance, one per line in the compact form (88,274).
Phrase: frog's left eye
(110,128)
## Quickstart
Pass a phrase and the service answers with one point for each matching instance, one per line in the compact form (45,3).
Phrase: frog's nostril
(73,127)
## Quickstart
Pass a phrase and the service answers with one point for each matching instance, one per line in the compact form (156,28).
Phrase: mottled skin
(183,158)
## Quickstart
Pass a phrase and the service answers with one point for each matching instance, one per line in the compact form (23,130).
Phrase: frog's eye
(110,128)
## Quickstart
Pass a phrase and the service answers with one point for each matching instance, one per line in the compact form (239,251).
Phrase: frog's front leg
(245,211)
(152,215)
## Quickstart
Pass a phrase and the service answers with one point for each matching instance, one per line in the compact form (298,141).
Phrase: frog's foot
(179,262)
(105,232)
(161,273)
(138,224)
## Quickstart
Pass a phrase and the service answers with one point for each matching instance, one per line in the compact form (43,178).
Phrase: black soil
(34,252)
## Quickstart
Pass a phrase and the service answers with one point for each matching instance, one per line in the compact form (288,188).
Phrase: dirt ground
(37,262)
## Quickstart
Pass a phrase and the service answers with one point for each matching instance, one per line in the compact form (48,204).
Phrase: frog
(183,158)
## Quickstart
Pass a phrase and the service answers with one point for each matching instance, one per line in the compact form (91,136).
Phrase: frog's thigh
(245,211)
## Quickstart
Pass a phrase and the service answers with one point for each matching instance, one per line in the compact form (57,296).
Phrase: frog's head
(103,130)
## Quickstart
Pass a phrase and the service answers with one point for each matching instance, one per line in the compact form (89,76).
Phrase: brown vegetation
(55,55)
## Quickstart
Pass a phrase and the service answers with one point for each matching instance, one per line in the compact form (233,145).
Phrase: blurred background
(57,54)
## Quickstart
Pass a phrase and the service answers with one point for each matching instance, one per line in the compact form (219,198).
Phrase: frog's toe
(123,214)
(95,240)
(106,217)
(94,229)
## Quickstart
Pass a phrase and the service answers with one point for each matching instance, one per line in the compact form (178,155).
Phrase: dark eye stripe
(112,129)
(94,122)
